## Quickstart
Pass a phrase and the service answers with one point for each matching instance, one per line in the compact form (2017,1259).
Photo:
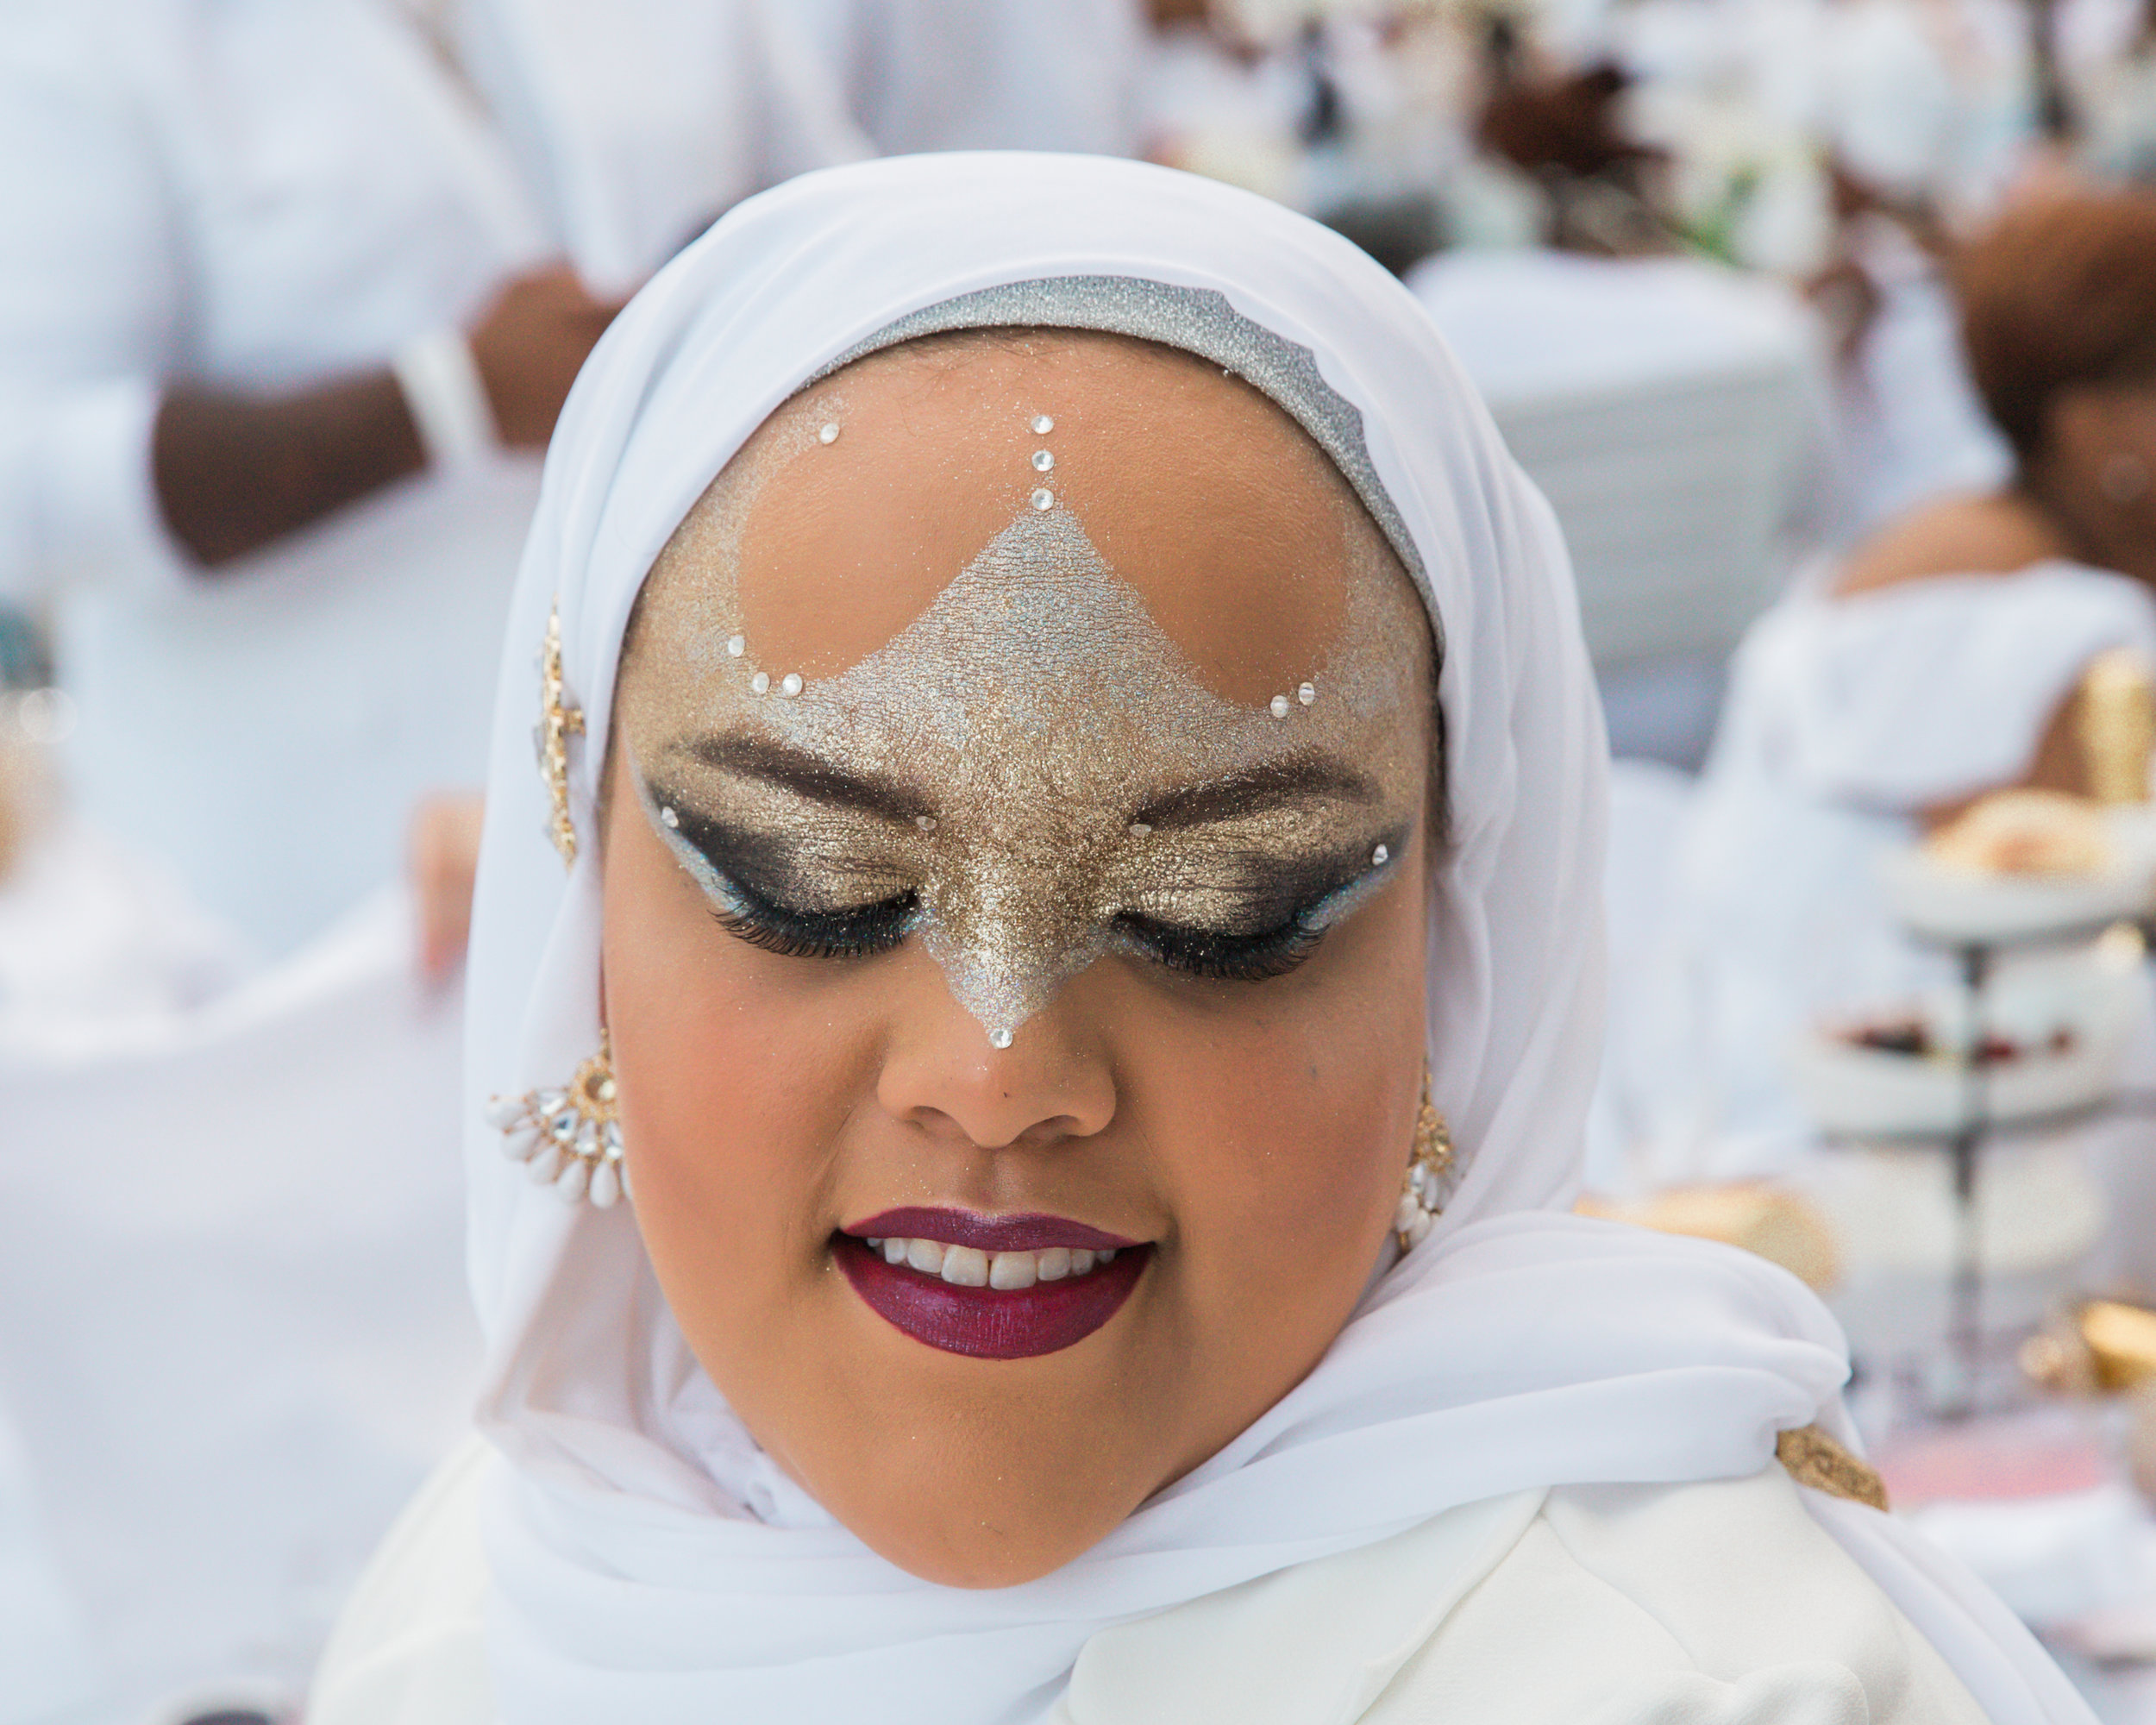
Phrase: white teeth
(965,1266)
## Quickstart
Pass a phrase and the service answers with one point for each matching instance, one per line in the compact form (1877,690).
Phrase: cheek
(1287,1128)
(733,1085)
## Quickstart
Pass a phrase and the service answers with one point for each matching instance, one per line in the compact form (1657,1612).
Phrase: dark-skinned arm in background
(236,471)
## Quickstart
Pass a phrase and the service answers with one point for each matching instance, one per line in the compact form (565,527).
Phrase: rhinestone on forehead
(1199,321)
(828,434)
(1005,934)
(1043,460)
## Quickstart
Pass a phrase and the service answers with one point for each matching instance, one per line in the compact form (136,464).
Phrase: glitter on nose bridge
(1026,714)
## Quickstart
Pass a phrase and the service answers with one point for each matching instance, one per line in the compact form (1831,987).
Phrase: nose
(941,1073)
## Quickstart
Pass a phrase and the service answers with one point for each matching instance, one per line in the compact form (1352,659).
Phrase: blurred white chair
(234,1331)
(1673,412)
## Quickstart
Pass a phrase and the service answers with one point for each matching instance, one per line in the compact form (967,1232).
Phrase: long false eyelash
(1228,957)
(1249,958)
(859,932)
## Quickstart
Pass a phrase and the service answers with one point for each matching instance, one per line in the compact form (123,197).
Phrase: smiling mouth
(967,1266)
(989,1287)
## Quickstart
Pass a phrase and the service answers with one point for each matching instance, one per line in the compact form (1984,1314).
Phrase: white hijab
(650,1563)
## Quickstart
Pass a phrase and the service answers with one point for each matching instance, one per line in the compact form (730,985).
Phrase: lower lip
(991,1323)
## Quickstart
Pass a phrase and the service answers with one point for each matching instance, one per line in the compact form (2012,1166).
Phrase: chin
(993,1559)
(982,1474)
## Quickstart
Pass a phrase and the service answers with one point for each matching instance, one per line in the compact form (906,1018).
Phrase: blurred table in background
(1674,413)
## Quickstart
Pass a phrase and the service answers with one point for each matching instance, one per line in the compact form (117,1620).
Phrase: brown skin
(442,864)
(236,472)
(2058,508)
(1255,1132)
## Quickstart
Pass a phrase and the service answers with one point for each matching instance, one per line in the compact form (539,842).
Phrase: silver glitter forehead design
(1197,321)
(1033,702)
(1025,724)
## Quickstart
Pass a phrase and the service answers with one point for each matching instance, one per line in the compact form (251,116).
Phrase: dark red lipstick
(989,1322)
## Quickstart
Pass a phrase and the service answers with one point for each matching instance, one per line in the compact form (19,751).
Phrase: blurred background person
(1940,659)
(294,296)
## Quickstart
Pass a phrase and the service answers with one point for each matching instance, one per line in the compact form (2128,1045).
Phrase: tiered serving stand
(1962,1102)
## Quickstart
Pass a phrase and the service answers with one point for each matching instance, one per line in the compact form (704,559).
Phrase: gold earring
(558,722)
(1419,1200)
(570,1139)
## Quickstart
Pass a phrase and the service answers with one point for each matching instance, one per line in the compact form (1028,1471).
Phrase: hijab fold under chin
(649,1563)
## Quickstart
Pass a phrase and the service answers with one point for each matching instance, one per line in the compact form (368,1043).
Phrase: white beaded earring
(569,1138)
(1419,1198)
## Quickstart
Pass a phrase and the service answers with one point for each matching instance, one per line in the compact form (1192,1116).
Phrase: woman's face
(1014,931)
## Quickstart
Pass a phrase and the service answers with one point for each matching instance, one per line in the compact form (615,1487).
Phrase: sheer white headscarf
(649,1563)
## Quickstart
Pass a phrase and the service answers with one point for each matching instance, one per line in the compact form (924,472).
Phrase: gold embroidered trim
(558,722)
(1815,1460)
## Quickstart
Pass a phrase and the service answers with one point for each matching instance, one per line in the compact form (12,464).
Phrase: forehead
(1231,527)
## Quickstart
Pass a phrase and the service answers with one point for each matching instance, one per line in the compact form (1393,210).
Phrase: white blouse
(1715,1604)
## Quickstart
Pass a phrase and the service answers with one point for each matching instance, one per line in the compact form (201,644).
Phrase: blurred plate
(1957,908)
(1853,1091)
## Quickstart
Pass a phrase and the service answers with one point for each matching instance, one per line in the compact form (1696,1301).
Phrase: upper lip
(985,1234)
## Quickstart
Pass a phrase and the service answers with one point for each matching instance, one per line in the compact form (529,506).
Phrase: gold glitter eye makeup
(1272,950)
(1028,773)
(756,883)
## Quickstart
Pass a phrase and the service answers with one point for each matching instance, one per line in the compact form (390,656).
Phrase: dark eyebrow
(1301,778)
(804,774)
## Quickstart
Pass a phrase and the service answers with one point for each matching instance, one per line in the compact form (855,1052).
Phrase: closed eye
(727,866)
(1255,956)
(1224,957)
(858,932)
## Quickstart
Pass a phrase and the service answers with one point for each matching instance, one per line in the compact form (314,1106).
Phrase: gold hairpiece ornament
(558,722)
